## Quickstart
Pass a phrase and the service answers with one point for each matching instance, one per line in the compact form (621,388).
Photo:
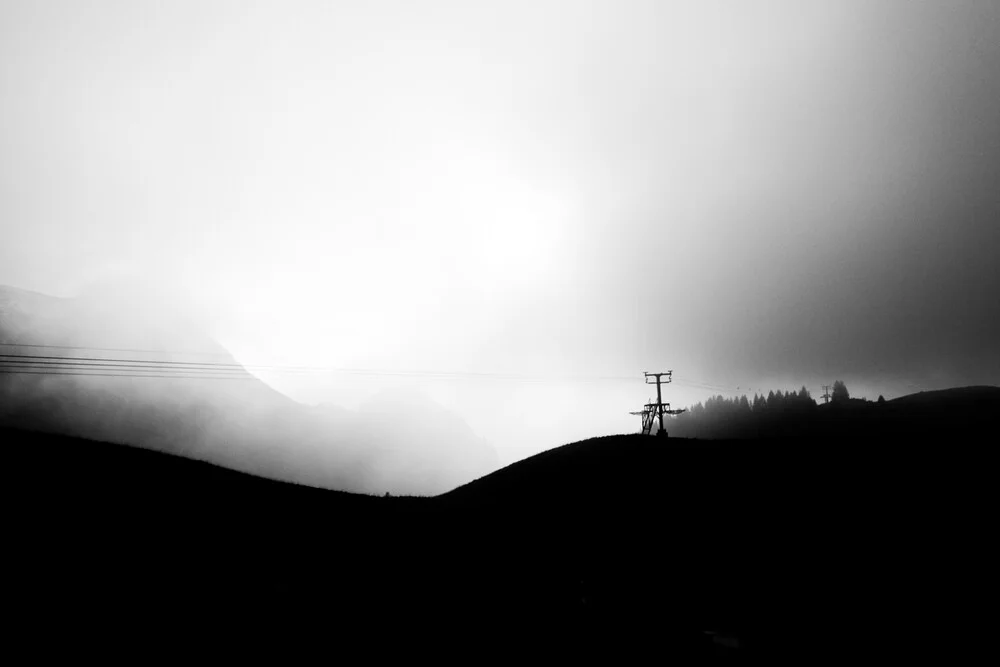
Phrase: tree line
(779,413)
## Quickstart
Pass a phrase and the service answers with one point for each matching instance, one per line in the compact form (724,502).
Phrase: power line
(702,385)
(287,368)
(48,358)
(115,364)
(193,365)
(79,368)
(706,385)
(203,367)
(196,372)
(80,363)
(125,375)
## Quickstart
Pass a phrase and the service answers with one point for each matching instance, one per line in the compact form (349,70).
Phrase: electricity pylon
(652,411)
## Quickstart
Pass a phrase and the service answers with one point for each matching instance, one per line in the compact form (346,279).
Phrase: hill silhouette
(602,547)
(941,413)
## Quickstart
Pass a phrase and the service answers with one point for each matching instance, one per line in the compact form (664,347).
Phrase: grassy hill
(785,543)
(622,543)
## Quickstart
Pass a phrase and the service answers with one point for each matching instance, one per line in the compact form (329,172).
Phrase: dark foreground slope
(817,546)
(617,545)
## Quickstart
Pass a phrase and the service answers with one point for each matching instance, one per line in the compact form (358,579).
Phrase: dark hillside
(140,536)
(947,413)
(971,402)
(961,414)
(613,544)
(836,541)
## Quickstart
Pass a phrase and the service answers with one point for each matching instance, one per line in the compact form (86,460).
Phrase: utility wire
(125,375)
(206,368)
(283,368)
(704,385)
(90,363)
(120,369)
(115,364)
(48,358)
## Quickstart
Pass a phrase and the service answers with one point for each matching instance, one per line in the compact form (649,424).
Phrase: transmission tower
(653,411)
(826,393)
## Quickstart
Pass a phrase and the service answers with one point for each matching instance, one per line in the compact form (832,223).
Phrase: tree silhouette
(840,391)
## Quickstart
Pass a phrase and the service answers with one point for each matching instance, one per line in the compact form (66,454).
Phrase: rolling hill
(603,547)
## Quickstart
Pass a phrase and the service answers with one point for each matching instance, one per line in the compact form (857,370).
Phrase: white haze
(755,194)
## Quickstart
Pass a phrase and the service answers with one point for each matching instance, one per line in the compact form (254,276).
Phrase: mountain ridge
(241,423)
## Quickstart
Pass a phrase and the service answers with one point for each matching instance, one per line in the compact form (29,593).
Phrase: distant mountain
(240,423)
(406,436)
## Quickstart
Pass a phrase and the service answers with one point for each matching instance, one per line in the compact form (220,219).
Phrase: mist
(514,208)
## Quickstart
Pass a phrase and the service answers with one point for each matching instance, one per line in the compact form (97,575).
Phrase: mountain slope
(240,423)
(843,540)
(615,545)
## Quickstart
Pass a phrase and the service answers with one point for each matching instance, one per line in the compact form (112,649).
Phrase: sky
(754,195)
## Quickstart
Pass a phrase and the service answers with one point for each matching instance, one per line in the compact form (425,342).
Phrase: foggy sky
(754,194)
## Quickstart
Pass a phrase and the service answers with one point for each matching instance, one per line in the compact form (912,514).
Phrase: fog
(523,205)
